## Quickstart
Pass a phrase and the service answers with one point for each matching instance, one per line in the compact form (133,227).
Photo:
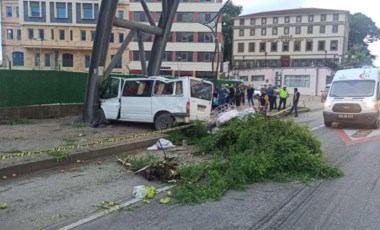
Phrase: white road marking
(106,212)
(318,127)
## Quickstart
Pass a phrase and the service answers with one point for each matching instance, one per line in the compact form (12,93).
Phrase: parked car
(325,92)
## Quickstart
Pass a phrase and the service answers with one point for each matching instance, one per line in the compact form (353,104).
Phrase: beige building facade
(289,46)
(54,35)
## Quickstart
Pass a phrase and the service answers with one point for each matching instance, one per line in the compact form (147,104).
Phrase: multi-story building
(58,34)
(191,45)
(54,34)
(293,46)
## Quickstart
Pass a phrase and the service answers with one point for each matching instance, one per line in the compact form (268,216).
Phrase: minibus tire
(328,124)
(375,125)
(100,117)
(161,119)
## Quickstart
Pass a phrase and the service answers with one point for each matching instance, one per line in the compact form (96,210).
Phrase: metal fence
(33,87)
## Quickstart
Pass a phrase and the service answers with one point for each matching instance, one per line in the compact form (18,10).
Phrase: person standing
(222,95)
(296,98)
(284,94)
(242,89)
(264,100)
(270,93)
(250,91)
(237,95)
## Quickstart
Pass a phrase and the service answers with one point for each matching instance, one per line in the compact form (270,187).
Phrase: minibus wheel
(328,124)
(99,117)
(163,121)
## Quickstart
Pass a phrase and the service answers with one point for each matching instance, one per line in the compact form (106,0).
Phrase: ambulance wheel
(163,121)
(328,124)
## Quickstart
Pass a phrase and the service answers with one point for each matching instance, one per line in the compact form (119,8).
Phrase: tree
(229,12)
(362,30)
(358,55)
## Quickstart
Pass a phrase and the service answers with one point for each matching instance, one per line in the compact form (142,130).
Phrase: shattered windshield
(201,90)
(353,88)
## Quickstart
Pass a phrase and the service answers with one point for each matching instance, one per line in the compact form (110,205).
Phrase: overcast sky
(366,7)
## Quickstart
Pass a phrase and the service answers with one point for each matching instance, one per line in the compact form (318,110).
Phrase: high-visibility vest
(283,93)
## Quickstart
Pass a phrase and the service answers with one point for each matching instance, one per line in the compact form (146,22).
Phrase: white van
(354,97)
(159,100)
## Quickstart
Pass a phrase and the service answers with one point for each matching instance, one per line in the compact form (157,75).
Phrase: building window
(300,81)
(41,34)
(139,16)
(186,56)
(257,78)
(263,31)
(322,29)
(287,19)
(136,55)
(184,37)
(335,17)
(286,30)
(83,35)
(309,29)
(30,34)
(251,47)
(311,18)
(9,11)
(67,60)
(71,35)
(52,34)
(241,32)
(335,29)
(285,46)
(92,35)
(167,56)
(204,56)
(87,60)
(299,18)
(334,45)
(321,45)
(274,31)
(18,58)
(298,30)
(275,20)
(253,22)
(18,34)
(37,59)
(47,60)
(252,32)
(87,11)
(297,46)
(10,34)
(263,21)
(273,47)
(61,35)
(242,22)
(112,38)
(61,10)
(118,63)
(205,37)
(240,47)
(35,9)
(206,17)
(121,37)
(323,17)
(121,14)
(309,46)
(17,11)
(185,17)
(262,46)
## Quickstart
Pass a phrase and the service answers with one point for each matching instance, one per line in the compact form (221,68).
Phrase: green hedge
(34,87)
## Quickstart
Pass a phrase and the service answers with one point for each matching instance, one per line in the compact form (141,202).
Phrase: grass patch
(59,156)
(20,121)
(70,142)
(256,149)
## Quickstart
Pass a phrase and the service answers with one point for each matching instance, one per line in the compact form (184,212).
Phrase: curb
(38,165)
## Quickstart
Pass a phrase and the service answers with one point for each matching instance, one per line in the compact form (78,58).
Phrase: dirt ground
(52,133)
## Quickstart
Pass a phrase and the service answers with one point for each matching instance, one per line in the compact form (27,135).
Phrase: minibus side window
(111,89)
(137,89)
(178,88)
(162,88)
(201,90)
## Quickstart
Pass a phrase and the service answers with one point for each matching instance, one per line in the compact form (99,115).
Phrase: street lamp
(178,66)
(265,63)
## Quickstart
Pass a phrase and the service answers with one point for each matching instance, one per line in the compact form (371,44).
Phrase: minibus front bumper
(352,118)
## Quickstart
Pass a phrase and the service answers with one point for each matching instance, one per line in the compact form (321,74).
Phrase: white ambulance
(354,97)
(158,100)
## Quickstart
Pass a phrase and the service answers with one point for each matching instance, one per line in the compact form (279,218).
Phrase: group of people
(235,94)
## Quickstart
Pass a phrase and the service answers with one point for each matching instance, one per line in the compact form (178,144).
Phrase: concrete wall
(42,112)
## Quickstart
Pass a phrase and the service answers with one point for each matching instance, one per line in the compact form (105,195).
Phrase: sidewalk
(313,103)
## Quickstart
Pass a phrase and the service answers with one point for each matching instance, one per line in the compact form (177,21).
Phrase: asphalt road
(51,199)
